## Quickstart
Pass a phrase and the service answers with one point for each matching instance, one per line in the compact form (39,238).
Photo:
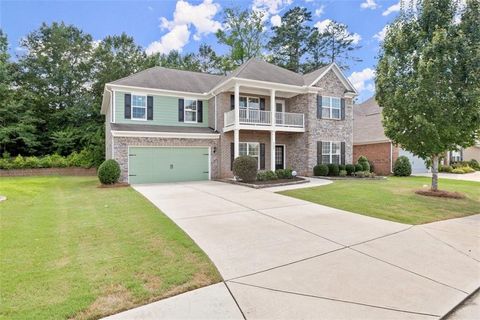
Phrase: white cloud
(319,11)
(270,6)
(391,9)
(369,4)
(150,8)
(380,35)
(362,80)
(322,26)
(276,20)
(175,39)
(185,16)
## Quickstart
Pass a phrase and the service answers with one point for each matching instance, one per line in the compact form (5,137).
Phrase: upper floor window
(190,110)
(331,108)
(250,102)
(139,107)
(331,152)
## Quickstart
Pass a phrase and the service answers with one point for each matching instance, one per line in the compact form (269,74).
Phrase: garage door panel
(418,164)
(168,164)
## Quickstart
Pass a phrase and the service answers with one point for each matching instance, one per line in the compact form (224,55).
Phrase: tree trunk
(435,173)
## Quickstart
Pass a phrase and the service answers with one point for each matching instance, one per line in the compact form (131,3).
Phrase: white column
(272,150)
(273,108)
(237,105)
(236,143)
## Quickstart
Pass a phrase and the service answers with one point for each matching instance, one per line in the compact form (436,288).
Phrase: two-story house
(165,125)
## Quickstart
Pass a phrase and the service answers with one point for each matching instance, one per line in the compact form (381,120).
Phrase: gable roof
(367,123)
(171,79)
(256,69)
(310,77)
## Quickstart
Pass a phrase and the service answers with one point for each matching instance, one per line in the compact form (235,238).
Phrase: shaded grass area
(395,199)
(71,250)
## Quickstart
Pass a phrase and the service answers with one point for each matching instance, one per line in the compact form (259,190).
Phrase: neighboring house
(166,125)
(463,154)
(369,140)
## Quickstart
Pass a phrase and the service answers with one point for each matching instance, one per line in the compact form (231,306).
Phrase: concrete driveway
(474,176)
(284,258)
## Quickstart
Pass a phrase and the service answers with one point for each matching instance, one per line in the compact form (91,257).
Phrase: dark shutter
(128,106)
(181,103)
(342,108)
(319,152)
(232,102)
(262,104)
(149,108)
(232,155)
(461,154)
(200,111)
(262,156)
(342,153)
(319,107)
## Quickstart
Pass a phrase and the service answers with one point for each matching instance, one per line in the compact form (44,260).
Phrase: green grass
(71,250)
(394,199)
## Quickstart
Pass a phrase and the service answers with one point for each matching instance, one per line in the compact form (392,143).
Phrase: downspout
(215,97)
(391,157)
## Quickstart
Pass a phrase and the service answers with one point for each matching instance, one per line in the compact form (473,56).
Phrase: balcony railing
(264,118)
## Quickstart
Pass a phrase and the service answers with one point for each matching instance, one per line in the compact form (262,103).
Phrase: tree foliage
(427,79)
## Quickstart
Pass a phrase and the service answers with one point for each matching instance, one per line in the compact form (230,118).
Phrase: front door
(280,111)
(279,157)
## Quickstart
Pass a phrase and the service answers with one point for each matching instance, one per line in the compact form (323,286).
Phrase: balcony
(254,119)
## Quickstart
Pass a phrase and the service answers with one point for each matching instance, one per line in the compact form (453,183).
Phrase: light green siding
(167,164)
(165,111)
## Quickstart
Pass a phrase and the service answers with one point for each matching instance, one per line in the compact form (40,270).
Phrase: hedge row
(82,159)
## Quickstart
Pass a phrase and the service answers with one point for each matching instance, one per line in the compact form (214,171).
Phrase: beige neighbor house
(369,140)
(165,125)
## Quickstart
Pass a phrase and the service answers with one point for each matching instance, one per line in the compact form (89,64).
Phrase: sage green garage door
(167,164)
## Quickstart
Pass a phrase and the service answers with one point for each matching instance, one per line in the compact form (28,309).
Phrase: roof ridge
(135,74)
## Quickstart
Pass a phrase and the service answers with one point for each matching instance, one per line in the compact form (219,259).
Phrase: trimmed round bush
(109,172)
(350,168)
(342,173)
(333,170)
(474,164)
(341,167)
(320,170)
(245,168)
(362,160)
(284,173)
(360,174)
(358,167)
(372,166)
(402,167)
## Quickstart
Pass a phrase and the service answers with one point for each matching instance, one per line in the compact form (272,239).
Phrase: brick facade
(379,154)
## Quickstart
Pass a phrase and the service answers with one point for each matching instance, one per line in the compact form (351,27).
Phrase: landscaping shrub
(109,172)
(333,169)
(245,168)
(362,160)
(402,167)
(342,173)
(320,170)
(358,167)
(445,168)
(267,175)
(350,169)
(458,171)
(83,159)
(474,164)
(467,169)
(284,173)
(341,167)
(372,166)
(360,174)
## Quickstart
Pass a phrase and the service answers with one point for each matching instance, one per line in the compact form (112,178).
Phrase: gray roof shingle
(310,77)
(367,123)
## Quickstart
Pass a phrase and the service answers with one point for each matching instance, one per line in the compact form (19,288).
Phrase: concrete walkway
(284,258)
(474,176)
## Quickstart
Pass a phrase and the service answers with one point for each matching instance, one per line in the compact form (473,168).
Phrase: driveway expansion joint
(236,302)
(337,300)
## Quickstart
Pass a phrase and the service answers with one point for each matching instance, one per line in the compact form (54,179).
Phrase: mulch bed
(440,194)
(350,178)
(115,185)
(268,184)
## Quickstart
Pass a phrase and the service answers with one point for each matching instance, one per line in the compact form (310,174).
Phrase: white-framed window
(331,152)
(331,108)
(250,103)
(139,107)
(456,156)
(190,110)
(251,149)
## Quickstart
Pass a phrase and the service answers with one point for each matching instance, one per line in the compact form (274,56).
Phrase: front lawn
(394,199)
(71,250)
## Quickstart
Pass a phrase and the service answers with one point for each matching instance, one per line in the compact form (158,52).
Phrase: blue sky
(161,25)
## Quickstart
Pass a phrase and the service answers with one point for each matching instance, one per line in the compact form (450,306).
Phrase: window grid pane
(336,159)
(336,103)
(325,159)
(242,149)
(138,113)
(138,101)
(326,101)
(253,149)
(326,148)
(253,103)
